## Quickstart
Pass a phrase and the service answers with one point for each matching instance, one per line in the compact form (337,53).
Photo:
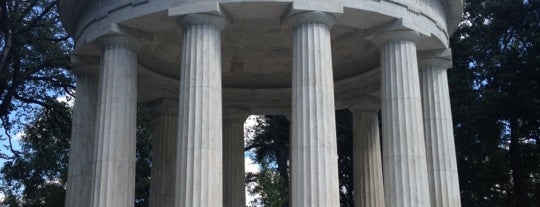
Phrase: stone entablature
(438,17)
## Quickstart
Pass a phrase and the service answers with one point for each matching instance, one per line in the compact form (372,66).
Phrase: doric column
(368,174)
(79,185)
(234,194)
(314,169)
(114,175)
(441,153)
(404,157)
(199,157)
(163,172)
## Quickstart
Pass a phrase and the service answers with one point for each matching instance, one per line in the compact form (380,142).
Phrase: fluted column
(314,170)
(163,172)
(199,157)
(234,194)
(79,181)
(404,157)
(440,149)
(114,175)
(368,174)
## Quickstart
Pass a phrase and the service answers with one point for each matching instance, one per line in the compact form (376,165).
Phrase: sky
(18,135)
(250,165)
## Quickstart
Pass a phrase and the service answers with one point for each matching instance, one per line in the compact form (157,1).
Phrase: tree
(37,177)
(34,59)
(271,143)
(345,157)
(143,156)
(497,114)
(268,186)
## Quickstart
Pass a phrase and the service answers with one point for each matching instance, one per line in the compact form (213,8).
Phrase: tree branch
(7,132)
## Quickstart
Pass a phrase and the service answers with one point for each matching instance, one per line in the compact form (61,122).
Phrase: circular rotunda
(203,67)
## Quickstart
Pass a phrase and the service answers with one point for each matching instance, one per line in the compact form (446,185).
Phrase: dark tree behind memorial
(495,94)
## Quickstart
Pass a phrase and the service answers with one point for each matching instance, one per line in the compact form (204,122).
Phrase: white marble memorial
(216,60)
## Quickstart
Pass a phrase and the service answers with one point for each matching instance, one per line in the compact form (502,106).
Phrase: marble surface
(114,175)
(438,128)
(404,156)
(234,193)
(367,164)
(313,137)
(81,154)
(199,167)
(164,144)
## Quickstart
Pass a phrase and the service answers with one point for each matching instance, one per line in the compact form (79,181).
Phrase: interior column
(234,193)
(163,172)
(368,174)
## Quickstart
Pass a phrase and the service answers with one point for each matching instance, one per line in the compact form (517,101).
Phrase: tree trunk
(282,157)
(519,195)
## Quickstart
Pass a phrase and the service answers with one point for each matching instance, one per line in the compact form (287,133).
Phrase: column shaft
(440,149)
(314,167)
(404,158)
(114,177)
(199,157)
(368,175)
(165,129)
(233,163)
(79,185)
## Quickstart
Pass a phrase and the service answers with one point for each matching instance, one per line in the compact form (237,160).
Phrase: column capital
(366,106)
(435,59)
(203,19)
(310,17)
(164,106)
(235,114)
(398,34)
(118,40)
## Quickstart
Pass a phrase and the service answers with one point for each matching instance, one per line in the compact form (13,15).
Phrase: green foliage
(268,186)
(143,162)
(37,175)
(345,157)
(496,102)
(34,58)
(270,145)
